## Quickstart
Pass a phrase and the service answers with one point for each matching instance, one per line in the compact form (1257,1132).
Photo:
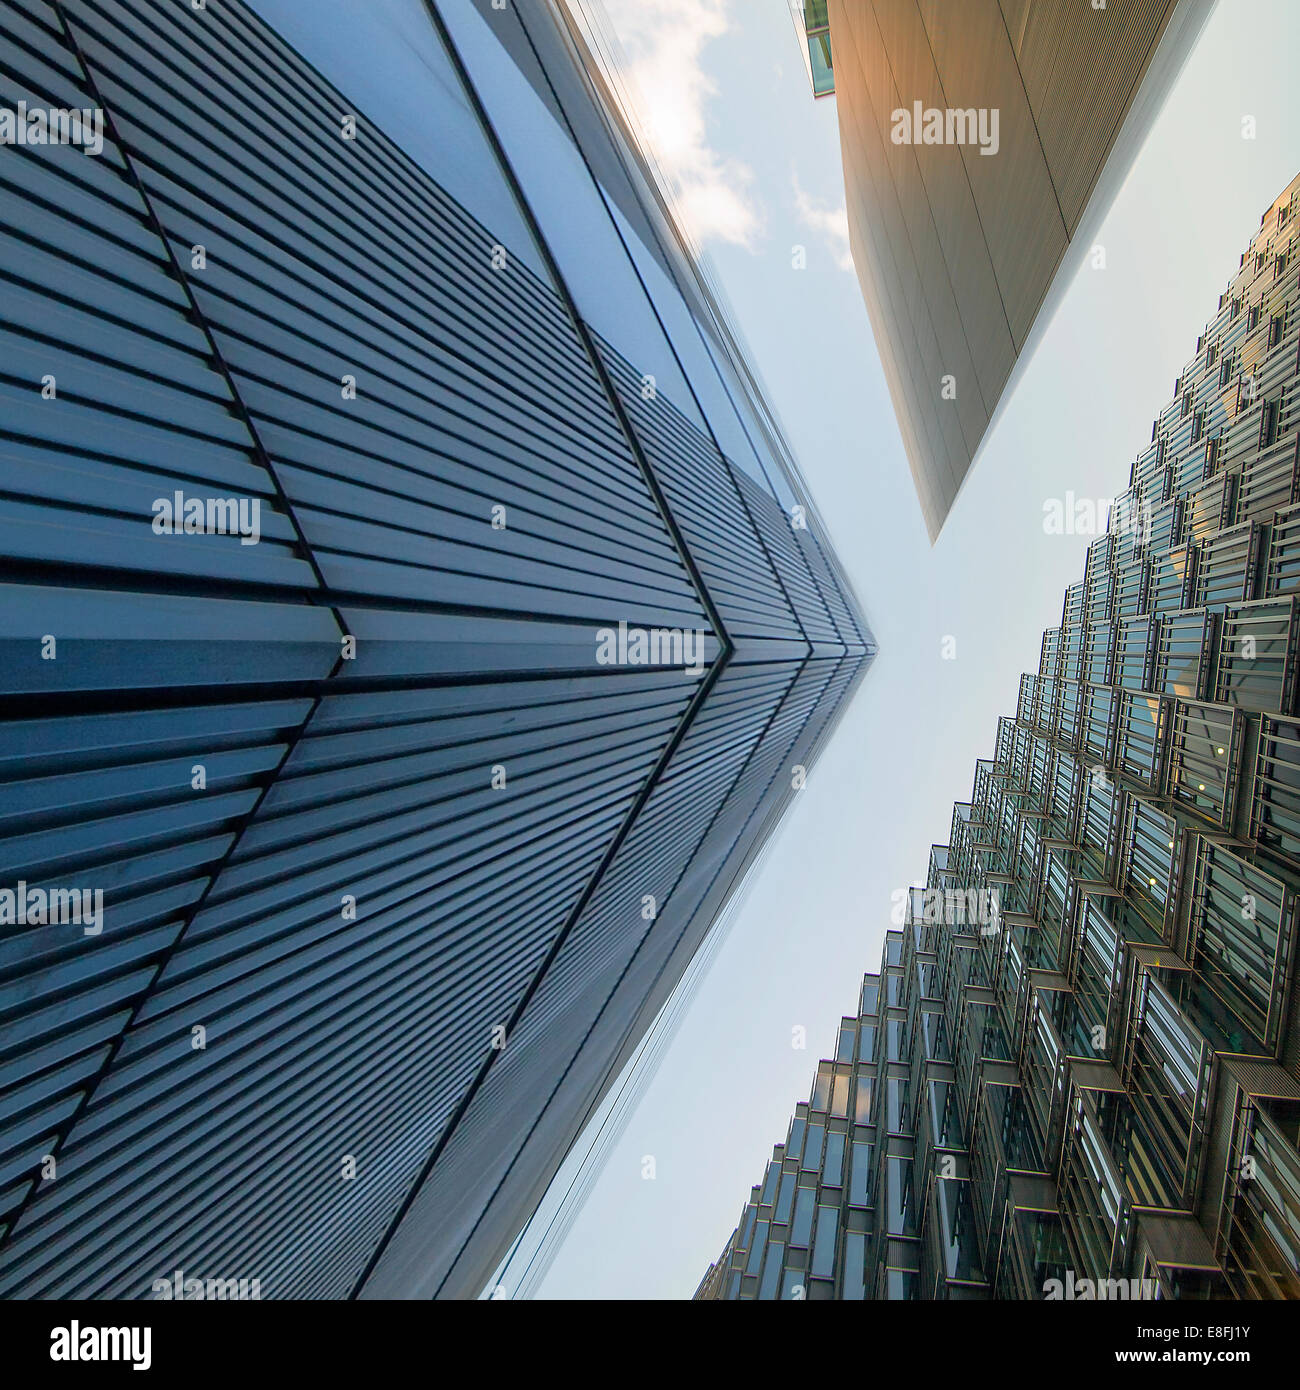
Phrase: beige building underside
(962,255)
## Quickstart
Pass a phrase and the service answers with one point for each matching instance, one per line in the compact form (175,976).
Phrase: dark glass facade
(408,777)
(1077,1072)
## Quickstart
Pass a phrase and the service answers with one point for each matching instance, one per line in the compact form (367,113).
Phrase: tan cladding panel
(1013,190)
(943,220)
(956,250)
(1081,68)
(902,265)
(908,344)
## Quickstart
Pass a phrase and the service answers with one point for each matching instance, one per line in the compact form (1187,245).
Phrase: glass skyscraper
(413,625)
(1077,1072)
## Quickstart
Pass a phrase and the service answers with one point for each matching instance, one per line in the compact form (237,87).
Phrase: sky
(726,100)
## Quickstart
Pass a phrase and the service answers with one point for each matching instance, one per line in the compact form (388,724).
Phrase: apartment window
(822,1090)
(1275,329)
(1203,756)
(1276,813)
(1263,1252)
(1133,653)
(756,1250)
(770,1183)
(862,1101)
(860,1175)
(898,1187)
(1093,1199)
(1150,842)
(823,1260)
(1169,1068)
(772,1271)
(812,1154)
(1242,920)
(855,1256)
(1225,568)
(785,1199)
(833,1169)
(1256,657)
(840,1095)
(801,1233)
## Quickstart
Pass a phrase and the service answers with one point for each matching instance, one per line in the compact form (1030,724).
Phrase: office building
(1077,1071)
(982,143)
(413,624)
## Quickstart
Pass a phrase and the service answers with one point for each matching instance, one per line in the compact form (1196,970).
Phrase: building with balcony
(412,625)
(983,142)
(1079,1062)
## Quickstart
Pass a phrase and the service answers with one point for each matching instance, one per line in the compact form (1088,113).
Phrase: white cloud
(663,41)
(829,221)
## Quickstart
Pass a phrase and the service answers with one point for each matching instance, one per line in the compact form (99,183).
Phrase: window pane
(821,1095)
(786,1197)
(769,1183)
(823,1261)
(833,1169)
(771,1271)
(803,1215)
(861,1174)
(840,1096)
(756,1250)
(855,1255)
(812,1151)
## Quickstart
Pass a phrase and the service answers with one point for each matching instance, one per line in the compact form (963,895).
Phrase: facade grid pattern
(374,824)
(1079,1062)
